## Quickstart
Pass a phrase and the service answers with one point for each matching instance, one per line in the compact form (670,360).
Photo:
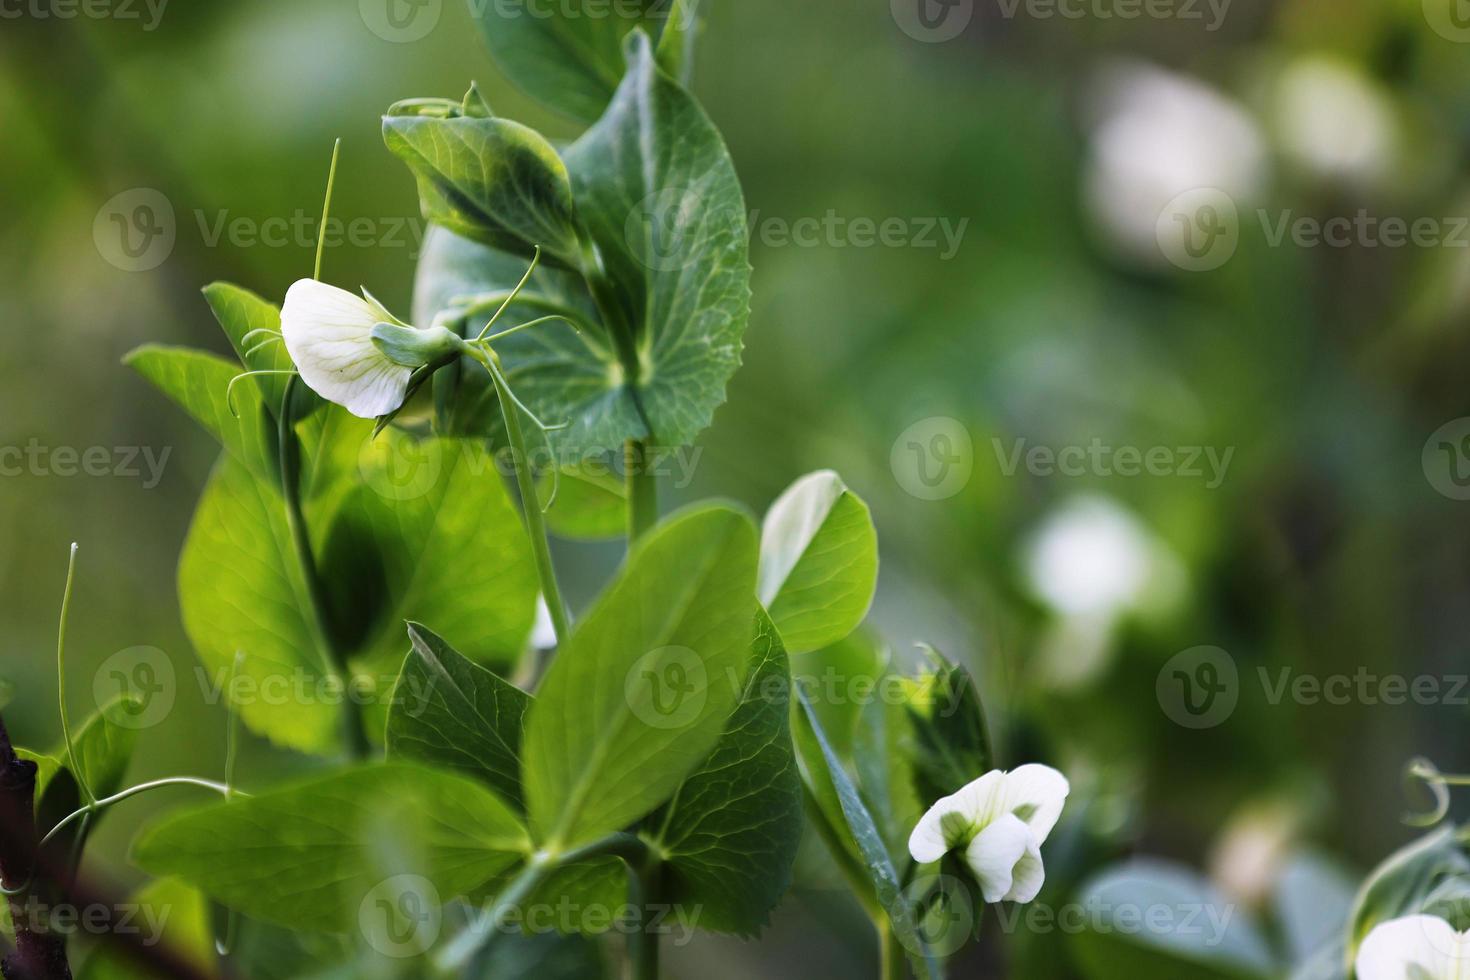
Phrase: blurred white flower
(1334,122)
(1000,822)
(351,351)
(1094,559)
(1418,947)
(1157,135)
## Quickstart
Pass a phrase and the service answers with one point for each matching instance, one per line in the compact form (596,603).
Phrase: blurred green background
(1333,542)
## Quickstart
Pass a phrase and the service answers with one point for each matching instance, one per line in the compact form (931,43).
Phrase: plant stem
(480,933)
(642,944)
(353,733)
(893,966)
(71,752)
(530,504)
(642,489)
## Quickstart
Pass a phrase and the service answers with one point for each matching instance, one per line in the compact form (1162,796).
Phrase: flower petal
(995,852)
(1028,875)
(328,333)
(1414,947)
(953,819)
(1036,794)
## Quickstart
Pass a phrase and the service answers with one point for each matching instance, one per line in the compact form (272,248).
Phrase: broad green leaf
(545,956)
(819,561)
(309,856)
(884,765)
(640,693)
(857,825)
(251,323)
(656,189)
(569,54)
(1428,871)
(588,506)
(165,912)
(431,536)
(491,180)
(563,375)
(198,382)
(456,715)
(730,833)
(241,589)
(1157,919)
(839,680)
(951,743)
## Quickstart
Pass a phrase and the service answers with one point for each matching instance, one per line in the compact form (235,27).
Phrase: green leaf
(104,744)
(491,180)
(730,833)
(197,382)
(859,828)
(819,561)
(165,912)
(309,855)
(951,743)
(1426,872)
(681,33)
(1157,919)
(659,194)
(397,552)
(588,506)
(640,693)
(249,322)
(241,589)
(456,715)
(568,55)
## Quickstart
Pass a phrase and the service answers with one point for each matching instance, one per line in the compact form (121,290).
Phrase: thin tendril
(1438,784)
(251,333)
(230,391)
(71,751)
(535,260)
(128,793)
(526,326)
(321,231)
(262,345)
(491,363)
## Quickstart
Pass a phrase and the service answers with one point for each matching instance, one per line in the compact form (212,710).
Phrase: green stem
(353,733)
(893,966)
(480,933)
(530,504)
(71,752)
(643,944)
(87,811)
(642,489)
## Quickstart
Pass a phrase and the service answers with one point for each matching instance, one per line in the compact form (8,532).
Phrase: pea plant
(365,568)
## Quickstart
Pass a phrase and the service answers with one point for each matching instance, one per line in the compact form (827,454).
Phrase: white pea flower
(1418,947)
(1000,821)
(352,351)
